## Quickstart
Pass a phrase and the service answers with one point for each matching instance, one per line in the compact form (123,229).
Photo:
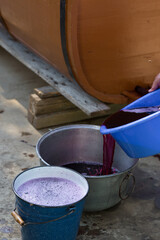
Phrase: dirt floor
(137,218)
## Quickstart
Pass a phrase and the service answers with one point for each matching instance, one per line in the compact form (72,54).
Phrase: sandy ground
(137,218)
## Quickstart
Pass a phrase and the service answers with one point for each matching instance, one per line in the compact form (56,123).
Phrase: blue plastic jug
(140,138)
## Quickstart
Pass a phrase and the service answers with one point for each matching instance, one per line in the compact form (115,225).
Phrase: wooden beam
(69,89)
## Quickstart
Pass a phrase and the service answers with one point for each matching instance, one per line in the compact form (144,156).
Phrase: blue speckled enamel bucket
(48,223)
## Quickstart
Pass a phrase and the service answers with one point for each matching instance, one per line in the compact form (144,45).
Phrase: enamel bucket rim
(43,206)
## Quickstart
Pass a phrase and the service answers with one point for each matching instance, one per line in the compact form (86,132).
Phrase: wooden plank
(46,92)
(67,117)
(58,118)
(40,106)
(54,109)
(69,89)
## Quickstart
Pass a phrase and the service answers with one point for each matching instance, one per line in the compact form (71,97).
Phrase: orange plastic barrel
(109,47)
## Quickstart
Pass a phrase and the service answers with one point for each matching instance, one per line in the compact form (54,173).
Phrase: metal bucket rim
(43,206)
(76,126)
(50,132)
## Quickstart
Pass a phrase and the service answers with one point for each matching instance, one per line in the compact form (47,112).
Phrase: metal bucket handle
(126,178)
(19,220)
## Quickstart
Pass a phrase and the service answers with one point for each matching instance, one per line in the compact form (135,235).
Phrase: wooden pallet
(69,89)
(48,108)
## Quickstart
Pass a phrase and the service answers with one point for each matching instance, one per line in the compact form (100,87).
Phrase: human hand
(155,84)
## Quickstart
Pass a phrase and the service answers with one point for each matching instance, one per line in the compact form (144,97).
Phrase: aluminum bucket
(84,143)
(44,222)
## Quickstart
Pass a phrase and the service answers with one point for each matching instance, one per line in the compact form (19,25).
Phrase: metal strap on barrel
(63,35)
(22,223)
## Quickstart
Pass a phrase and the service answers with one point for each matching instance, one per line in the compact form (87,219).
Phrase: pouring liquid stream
(119,118)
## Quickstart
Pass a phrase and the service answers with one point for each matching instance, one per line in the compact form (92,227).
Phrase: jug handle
(126,178)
